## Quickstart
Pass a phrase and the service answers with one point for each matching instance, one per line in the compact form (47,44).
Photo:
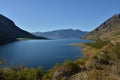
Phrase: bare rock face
(106,30)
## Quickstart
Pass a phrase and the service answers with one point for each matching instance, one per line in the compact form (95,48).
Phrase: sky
(48,15)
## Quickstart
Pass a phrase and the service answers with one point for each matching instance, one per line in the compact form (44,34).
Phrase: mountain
(5,38)
(9,31)
(63,33)
(107,30)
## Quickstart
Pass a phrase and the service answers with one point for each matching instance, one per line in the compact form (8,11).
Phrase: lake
(46,53)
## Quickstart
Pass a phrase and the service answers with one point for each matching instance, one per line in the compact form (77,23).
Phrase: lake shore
(97,64)
(100,62)
(34,49)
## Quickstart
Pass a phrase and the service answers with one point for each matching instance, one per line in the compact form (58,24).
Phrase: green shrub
(23,74)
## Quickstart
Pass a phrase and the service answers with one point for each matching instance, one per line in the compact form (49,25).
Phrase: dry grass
(101,64)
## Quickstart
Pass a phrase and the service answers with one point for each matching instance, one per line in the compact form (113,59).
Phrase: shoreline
(96,64)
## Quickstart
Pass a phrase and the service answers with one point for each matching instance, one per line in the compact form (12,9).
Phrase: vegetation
(25,39)
(116,49)
(59,71)
(103,64)
(98,44)
(20,73)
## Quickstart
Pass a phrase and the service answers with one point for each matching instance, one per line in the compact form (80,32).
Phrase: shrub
(21,74)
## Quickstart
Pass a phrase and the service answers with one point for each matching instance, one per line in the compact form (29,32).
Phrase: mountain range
(62,33)
(10,32)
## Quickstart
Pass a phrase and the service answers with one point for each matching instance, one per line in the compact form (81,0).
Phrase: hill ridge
(62,33)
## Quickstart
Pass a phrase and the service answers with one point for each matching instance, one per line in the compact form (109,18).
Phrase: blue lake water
(46,53)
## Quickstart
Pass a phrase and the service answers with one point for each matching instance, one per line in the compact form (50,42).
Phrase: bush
(21,74)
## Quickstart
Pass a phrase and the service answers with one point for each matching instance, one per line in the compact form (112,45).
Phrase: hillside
(106,30)
(63,33)
(7,26)
(9,31)
(5,38)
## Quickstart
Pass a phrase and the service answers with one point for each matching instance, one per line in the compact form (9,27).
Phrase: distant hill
(63,33)
(9,31)
(107,30)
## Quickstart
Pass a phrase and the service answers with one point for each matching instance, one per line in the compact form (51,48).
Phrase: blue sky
(47,15)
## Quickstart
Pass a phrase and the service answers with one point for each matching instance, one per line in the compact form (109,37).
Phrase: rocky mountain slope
(63,33)
(106,30)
